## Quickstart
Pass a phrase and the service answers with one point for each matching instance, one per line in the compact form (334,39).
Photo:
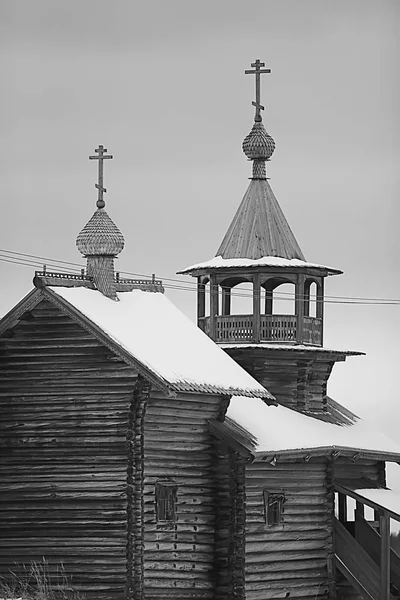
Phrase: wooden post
(384,526)
(213,307)
(201,302)
(307,300)
(226,301)
(320,307)
(360,509)
(342,507)
(269,299)
(300,307)
(256,307)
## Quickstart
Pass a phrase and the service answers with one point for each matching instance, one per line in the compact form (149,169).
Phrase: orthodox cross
(100,157)
(257,71)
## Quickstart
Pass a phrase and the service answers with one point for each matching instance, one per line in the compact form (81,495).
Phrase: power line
(32,261)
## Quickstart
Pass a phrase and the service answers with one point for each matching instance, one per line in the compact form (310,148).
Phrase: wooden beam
(342,507)
(384,526)
(256,307)
(213,306)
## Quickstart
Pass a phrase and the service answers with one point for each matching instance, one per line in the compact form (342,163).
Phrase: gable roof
(259,228)
(145,329)
(264,431)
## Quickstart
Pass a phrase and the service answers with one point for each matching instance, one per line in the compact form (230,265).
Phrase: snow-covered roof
(157,335)
(389,499)
(266,261)
(277,429)
(291,347)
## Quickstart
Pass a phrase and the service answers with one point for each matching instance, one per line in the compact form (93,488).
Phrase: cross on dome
(99,186)
(257,71)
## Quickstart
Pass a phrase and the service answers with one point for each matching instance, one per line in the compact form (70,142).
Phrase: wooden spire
(259,227)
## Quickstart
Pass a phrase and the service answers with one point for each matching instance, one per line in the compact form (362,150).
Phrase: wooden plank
(384,530)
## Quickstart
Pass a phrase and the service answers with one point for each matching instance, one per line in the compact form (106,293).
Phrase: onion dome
(100,236)
(258,145)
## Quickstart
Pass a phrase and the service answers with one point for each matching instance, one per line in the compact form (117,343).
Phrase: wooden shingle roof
(259,228)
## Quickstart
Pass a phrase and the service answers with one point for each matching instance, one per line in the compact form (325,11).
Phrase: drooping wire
(63,266)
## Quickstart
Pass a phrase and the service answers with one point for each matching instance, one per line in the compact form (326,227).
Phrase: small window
(166,501)
(273,507)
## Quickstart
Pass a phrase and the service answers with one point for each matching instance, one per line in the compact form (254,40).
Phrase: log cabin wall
(230,523)
(297,380)
(295,557)
(179,556)
(345,468)
(64,403)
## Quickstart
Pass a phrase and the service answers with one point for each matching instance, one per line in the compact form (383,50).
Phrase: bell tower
(260,249)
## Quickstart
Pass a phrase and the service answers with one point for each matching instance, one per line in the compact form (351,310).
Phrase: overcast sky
(161,84)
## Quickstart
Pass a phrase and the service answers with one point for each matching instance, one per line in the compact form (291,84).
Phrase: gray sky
(161,84)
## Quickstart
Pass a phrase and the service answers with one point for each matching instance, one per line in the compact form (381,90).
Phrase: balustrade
(273,328)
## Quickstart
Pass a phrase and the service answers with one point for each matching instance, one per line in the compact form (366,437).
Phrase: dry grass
(35,584)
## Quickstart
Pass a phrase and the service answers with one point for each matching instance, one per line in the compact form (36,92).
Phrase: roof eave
(198,271)
(333,452)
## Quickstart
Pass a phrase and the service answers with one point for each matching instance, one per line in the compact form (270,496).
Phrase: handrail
(360,568)
(360,498)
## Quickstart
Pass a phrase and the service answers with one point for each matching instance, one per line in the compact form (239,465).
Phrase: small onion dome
(100,236)
(258,144)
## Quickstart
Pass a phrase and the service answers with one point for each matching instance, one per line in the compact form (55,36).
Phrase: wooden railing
(355,564)
(273,328)
(362,552)
(312,331)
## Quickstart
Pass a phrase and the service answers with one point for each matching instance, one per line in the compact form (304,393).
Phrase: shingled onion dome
(258,146)
(100,241)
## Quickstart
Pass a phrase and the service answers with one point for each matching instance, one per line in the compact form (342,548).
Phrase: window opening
(273,507)
(166,493)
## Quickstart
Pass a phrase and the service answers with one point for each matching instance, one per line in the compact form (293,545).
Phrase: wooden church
(158,459)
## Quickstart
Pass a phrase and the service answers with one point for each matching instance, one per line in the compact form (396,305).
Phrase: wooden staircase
(357,558)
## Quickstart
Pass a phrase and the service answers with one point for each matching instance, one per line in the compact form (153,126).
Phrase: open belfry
(154,458)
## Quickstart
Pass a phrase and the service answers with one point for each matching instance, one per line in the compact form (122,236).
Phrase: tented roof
(259,228)
(157,335)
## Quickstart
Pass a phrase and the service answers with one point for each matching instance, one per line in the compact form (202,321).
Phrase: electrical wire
(63,266)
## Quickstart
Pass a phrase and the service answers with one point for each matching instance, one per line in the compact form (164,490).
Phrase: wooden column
(201,302)
(226,301)
(256,307)
(319,313)
(213,307)
(300,307)
(269,301)
(342,508)
(307,300)
(384,526)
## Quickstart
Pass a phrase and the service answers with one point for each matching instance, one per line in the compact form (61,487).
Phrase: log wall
(179,557)
(64,402)
(296,380)
(294,558)
(230,524)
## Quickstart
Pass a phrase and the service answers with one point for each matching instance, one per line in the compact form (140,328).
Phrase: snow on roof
(386,498)
(155,333)
(278,429)
(266,261)
(291,347)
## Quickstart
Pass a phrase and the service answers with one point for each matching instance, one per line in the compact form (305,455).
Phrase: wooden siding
(295,557)
(64,402)
(351,470)
(230,524)
(178,447)
(298,382)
